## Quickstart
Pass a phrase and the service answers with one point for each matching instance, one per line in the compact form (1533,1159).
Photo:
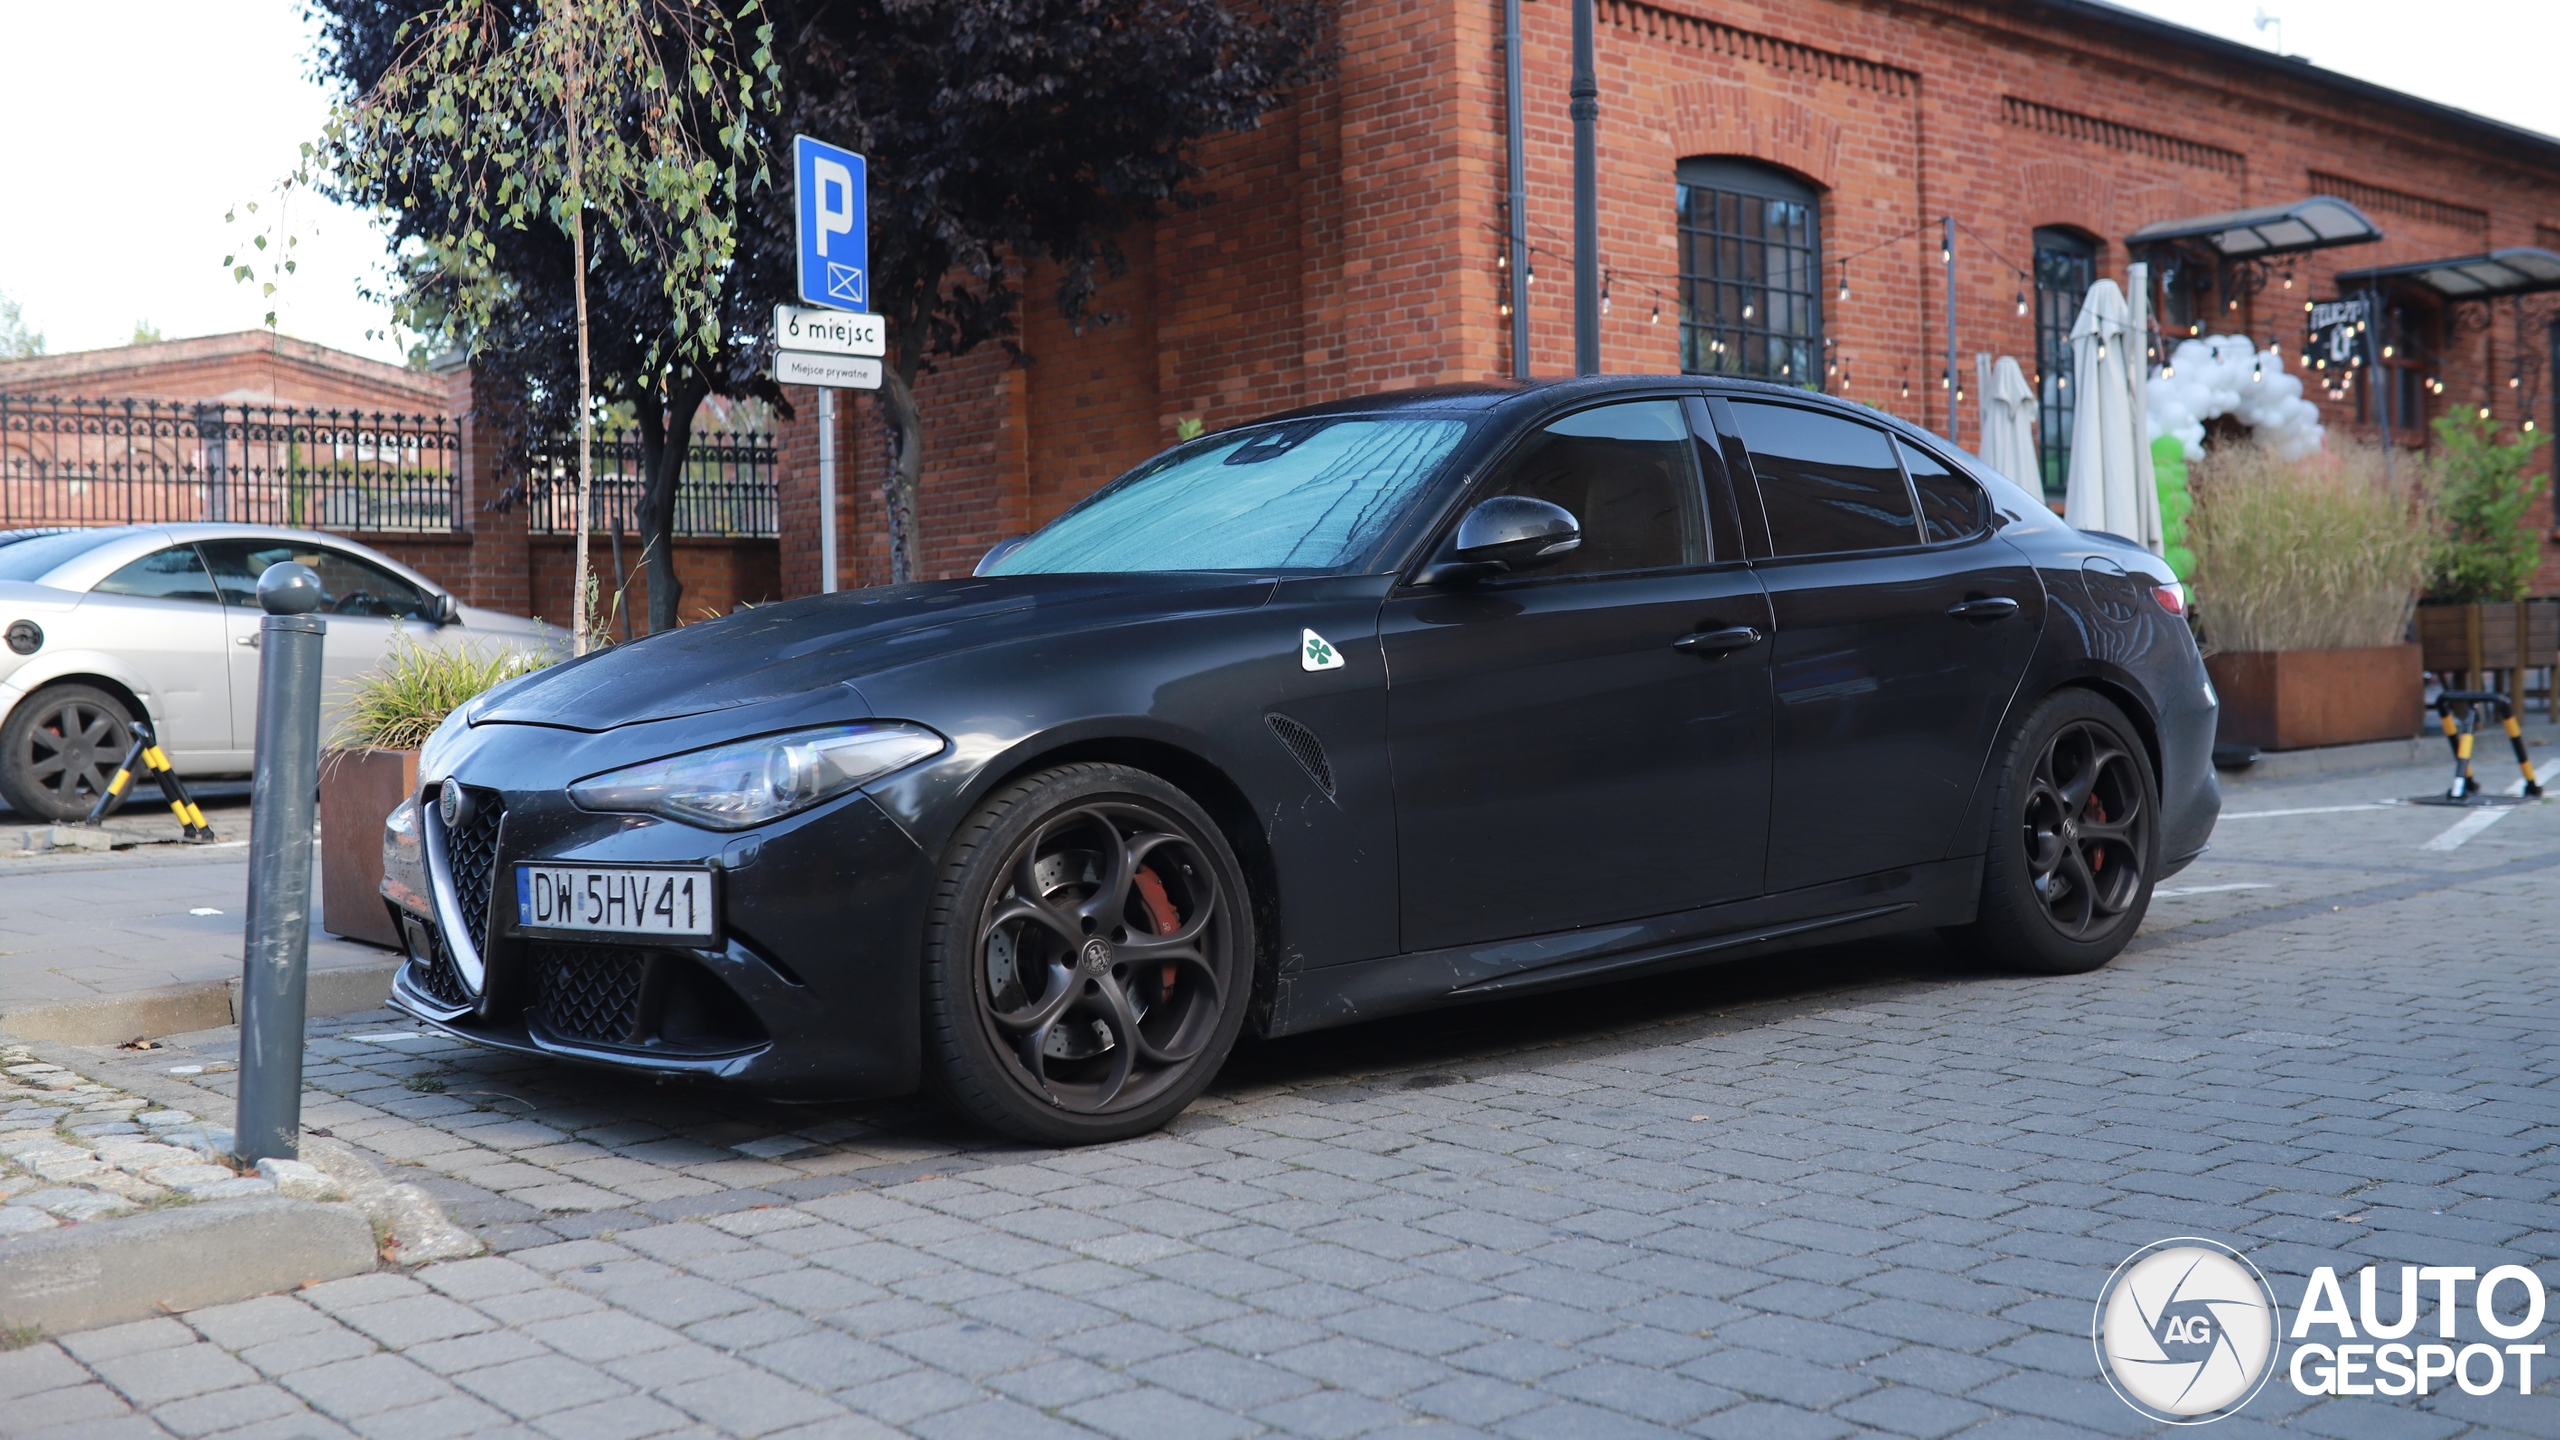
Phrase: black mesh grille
(1303,744)
(590,992)
(471,858)
(434,974)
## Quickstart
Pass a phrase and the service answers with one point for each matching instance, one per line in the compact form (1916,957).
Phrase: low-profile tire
(1088,957)
(2075,841)
(59,750)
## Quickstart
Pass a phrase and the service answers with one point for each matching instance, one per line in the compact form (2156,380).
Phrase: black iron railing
(124,462)
(727,489)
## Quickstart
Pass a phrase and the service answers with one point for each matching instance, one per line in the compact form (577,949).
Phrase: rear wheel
(1088,957)
(59,750)
(2074,847)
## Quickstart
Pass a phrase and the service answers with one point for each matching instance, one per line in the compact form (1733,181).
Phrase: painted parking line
(2309,810)
(2460,831)
(2208,889)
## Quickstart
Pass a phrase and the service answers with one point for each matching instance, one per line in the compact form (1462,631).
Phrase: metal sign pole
(1515,138)
(826,490)
(1586,198)
(275,956)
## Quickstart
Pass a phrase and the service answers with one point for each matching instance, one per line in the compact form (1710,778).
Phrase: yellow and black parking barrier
(2460,734)
(146,754)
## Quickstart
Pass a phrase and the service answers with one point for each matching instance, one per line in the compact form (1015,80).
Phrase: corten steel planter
(2296,699)
(358,791)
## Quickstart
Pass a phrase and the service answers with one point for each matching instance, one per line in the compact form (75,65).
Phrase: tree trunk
(900,488)
(578,606)
(666,435)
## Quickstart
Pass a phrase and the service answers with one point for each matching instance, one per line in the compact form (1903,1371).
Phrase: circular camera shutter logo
(2186,1331)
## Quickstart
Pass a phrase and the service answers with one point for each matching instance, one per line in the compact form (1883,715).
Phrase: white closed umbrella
(2009,423)
(2109,487)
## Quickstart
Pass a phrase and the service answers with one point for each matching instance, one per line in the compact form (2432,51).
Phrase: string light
(1746,310)
(2306,307)
(1906,387)
(1657,314)
(2484,412)
(1530,274)
(1844,282)
(2257,372)
(1604,295)
(2515,380)
(2386,352)
(2022,302)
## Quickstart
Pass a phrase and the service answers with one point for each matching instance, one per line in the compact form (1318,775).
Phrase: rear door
(1902,631)
(1559,759)
(160,615)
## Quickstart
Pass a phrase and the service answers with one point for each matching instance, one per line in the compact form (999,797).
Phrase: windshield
(33,559)
(1313,495)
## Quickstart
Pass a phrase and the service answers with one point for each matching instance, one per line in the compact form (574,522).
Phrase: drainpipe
(1586,198)
(1519,238)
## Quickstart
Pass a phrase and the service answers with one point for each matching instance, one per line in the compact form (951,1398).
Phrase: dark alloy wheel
(2073,850)
(1086,976)
(60,749)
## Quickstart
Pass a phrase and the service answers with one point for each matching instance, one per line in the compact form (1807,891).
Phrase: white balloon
(2228,375)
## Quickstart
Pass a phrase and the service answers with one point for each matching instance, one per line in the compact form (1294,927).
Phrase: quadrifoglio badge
(2188,1331)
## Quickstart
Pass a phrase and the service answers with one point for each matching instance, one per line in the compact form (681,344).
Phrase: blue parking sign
(835,229)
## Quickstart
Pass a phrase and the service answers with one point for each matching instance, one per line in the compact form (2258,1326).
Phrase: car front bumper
(808,992)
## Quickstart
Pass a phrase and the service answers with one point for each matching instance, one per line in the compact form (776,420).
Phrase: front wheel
(2074,844)
(60,749)
(1088,957)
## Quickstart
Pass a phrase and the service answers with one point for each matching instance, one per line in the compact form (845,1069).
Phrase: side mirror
(446,609)
(997,552)
(1503,535)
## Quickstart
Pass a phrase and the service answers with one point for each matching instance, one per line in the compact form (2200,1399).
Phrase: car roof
(121,544)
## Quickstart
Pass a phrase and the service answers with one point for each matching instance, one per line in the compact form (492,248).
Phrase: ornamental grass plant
(2327,552)
(399,703)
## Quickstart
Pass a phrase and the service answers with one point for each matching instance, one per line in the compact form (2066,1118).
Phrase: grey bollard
(276,953)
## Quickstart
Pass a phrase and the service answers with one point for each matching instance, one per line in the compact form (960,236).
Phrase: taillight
(2172,598)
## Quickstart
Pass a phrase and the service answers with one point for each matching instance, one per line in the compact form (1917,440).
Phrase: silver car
(161,621)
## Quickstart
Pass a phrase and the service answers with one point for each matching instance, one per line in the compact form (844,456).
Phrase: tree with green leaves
(2483,488)
(1002,132)
(592,152)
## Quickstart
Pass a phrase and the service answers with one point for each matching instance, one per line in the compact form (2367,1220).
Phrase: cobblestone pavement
(1860,1190)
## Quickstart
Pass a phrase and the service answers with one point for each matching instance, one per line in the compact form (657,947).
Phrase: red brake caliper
(1160,910)
(2098,813)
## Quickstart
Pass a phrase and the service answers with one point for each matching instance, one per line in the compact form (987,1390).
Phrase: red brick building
(252,367)
(1356,239)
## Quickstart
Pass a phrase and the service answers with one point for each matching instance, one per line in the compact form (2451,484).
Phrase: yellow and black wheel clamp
(147,754)
(2459,736)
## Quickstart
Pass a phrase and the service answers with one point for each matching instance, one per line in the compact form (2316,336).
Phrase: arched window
(2066,266)
(1750,272)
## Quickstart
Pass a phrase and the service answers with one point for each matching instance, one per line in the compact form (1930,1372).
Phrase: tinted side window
(1950,504)
(348,586)
(1828,484)
(1629,474)
(176,573)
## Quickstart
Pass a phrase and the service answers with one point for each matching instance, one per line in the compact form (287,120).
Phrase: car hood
(775,651)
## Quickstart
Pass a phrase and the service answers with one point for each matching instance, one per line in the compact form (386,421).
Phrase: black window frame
(1715,338)
(2062,256)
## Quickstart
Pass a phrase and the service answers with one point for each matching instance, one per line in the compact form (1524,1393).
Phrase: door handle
(250,640)
(1989,607)
(1711,643)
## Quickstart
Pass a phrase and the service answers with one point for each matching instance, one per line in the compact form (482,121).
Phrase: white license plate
(675,904)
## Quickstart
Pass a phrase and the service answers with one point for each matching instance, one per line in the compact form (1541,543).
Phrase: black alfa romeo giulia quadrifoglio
(1391,703)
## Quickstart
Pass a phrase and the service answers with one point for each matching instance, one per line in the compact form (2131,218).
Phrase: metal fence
(124,462)
(728,487)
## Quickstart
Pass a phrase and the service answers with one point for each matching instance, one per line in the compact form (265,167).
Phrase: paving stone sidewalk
(1860,1190)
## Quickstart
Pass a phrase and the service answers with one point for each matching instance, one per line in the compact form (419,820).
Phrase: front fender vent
(1306,749)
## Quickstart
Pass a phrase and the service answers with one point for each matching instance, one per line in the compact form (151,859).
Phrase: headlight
(732,787)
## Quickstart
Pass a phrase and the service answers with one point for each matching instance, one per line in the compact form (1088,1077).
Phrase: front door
(1560,760)
(1903,627)
(369,611)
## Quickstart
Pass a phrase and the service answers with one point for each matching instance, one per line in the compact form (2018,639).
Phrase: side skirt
(1916,897)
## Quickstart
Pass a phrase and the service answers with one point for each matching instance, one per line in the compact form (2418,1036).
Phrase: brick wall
(1352,243)
(251,367)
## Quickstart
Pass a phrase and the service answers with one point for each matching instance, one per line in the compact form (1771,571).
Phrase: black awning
(2521,271)
(2313,224)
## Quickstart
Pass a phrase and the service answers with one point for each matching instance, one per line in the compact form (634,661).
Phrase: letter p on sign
(832,205)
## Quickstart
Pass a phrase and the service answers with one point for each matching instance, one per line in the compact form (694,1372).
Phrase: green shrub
(399,703)
(2482,490)
(2322,553)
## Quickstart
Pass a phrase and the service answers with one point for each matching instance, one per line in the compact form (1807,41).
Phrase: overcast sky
(128,128)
